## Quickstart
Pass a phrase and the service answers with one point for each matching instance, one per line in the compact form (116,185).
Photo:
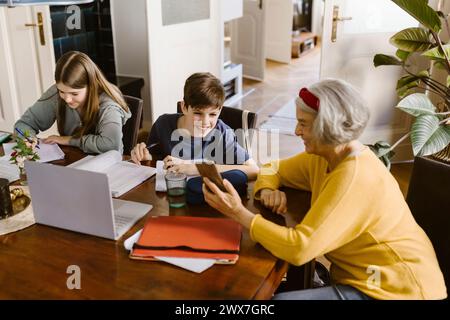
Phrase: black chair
(429,202)
(235,119)
(131,128)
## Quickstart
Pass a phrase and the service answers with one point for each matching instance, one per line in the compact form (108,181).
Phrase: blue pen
(23,135)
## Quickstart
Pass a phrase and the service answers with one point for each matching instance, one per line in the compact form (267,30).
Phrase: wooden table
(34,261)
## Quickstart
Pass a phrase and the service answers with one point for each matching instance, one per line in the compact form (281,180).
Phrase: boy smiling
(196,133)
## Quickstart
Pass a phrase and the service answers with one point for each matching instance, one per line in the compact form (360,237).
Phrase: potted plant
(430,131)
(25,149)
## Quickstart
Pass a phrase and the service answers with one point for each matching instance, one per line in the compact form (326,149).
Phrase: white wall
(317,17)
(130,26)
(176,51)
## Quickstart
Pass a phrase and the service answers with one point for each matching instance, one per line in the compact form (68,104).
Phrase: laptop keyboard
(121,222)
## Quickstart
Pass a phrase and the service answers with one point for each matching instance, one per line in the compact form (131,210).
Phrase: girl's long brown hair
(76,70)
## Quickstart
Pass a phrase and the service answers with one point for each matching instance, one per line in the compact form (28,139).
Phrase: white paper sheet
(192,264)
(47,152)
(9,171)
(160,184)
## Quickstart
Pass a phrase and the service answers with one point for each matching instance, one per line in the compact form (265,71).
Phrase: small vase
(23,177)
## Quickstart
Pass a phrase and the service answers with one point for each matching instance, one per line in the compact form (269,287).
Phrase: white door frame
(248,39)
(26,66)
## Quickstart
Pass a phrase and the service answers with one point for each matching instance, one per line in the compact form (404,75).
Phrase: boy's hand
(170,161)
(274,199)
(174,164)
(140,153)
(189,169)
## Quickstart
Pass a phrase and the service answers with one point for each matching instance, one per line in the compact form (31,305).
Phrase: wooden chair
(237,119)
(429,202)
(131,128)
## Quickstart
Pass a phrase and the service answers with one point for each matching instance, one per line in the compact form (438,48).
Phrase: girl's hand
(62,140)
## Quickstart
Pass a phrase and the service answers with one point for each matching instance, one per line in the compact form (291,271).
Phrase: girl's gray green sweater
(108,132)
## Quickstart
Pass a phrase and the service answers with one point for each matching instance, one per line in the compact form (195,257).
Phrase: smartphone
(209,170)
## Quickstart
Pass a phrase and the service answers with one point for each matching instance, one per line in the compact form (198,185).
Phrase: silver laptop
(79,200)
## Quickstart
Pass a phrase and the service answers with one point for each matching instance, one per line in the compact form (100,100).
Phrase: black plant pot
(429,200)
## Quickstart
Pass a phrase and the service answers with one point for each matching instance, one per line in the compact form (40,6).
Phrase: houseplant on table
(25,149)
(430,131)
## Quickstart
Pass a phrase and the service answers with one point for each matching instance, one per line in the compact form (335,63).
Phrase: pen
(23,135)
(152,145)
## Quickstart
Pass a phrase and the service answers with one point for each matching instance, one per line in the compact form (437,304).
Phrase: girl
(89,110)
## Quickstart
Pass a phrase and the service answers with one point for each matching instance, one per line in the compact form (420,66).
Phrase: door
(248,45)
(279,30)
(27,60)
(349,56)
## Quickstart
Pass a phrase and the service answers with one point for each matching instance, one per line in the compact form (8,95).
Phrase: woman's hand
(140,153)
(229,203)
(62,140)
(274,199)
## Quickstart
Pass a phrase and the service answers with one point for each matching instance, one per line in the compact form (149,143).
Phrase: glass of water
(176,189)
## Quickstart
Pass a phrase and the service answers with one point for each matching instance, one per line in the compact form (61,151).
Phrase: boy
(196,133)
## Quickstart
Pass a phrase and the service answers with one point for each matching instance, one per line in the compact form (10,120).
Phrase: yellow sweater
(360,221)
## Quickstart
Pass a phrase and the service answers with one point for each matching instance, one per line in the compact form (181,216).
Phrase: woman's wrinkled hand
(275,200)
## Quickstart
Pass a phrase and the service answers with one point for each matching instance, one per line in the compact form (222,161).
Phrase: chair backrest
(131,128)
(429,202)
(235,118)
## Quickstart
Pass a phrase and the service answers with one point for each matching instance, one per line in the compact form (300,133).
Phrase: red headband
(309,99)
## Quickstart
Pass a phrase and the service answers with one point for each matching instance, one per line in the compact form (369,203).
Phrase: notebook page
(124,176)
(100,163)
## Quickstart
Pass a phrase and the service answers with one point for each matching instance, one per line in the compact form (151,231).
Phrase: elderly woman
(358,217)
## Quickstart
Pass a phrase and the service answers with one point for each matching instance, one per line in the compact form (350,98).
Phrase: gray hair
(342,114)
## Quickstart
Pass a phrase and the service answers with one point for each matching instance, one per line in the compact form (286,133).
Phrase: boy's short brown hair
(202,89)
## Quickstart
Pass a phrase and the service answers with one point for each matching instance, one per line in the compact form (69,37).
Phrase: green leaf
(448,81)
(436,54)
(439,64)
(406,80)
(422,12)
(412,40)
(423,74)
(404,86)
(385,60)
(383,151)
(417,104)
(405,83)
(427,136)
(402,55)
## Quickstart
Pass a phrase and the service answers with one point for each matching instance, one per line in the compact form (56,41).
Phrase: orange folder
(189,237)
